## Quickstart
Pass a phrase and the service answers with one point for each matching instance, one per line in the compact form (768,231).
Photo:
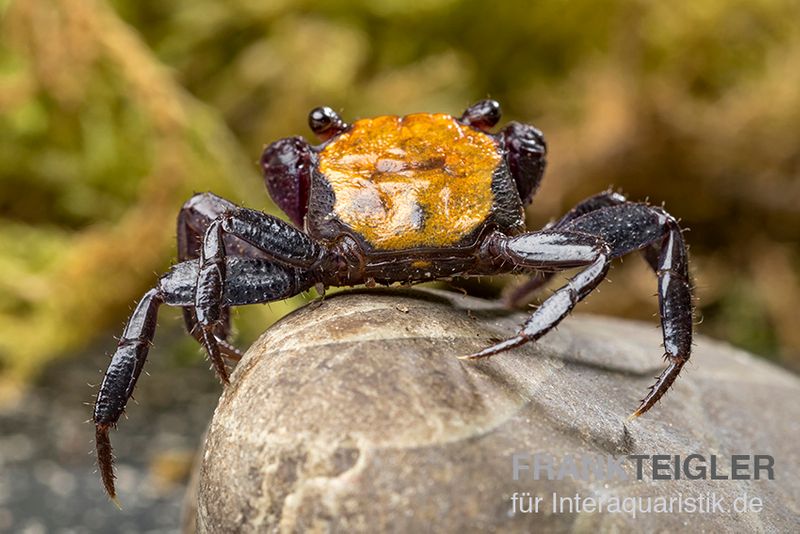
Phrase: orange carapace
(423,180)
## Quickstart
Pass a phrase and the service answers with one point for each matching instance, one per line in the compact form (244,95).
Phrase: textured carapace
(417,181)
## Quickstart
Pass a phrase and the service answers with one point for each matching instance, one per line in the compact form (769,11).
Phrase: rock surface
(355,415)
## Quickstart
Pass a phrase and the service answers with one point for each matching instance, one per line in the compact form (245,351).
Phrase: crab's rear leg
(251,280)
(632,226)
(623,228)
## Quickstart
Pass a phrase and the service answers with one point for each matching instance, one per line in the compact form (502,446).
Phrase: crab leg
(552,250)
(194,218)
(208,302)
(120,379)
(270,237)
(251,281)
(519,294)
(623,228)
(633,226)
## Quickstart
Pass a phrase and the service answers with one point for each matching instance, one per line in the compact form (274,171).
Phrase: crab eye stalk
(325,123)
(482,115)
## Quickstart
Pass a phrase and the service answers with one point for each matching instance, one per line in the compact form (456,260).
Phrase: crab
(391,199)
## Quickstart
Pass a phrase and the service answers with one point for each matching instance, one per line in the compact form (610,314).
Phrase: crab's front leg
(209,307)
(120,379)
(270,236)
(194,218)
(622,228)
(550,250)
(248,281)
(520,294)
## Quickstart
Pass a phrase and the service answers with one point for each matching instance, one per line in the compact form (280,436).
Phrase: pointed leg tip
(222,376)
(494,349)
(657,390)
(214,354)
(480,355)
(116,502)
(643,408)
(222,373)
(105,460)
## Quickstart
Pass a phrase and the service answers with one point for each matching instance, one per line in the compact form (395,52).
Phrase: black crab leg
(629,227)
(120,379)
(624,228)
(251,280)
(270,236)
(208,298)
(522,293)
(194,218)
(553,250)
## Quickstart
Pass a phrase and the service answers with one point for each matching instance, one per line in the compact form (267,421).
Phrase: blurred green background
(112,114)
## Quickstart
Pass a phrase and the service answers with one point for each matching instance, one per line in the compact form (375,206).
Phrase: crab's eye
(482,115)
(324,122)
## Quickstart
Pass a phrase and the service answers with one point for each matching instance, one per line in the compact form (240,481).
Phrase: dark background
(112,114)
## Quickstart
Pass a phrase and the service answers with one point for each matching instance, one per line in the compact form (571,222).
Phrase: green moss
(104,135)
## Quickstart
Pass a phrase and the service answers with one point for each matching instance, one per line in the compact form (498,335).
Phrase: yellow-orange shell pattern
(422,180)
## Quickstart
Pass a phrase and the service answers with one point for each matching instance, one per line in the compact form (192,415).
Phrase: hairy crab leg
(120,379)
(194,218)
(634,226)
(268,236)
(208,301)
(624,228)
(676,311)
(520,294)
(251,281)
(559,250)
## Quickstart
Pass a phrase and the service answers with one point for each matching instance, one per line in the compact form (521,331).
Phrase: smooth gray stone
(354,415)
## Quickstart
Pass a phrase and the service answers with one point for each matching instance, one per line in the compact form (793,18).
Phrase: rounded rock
(355,415)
